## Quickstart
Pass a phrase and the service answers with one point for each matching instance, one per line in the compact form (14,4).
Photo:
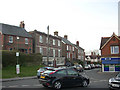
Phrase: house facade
(110,53)
(72,51)
(15,38)
(53,50)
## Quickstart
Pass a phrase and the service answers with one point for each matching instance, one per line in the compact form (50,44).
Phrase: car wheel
(57,85)
(44,85)
(85,83)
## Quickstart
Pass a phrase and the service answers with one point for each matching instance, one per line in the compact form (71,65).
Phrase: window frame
(41,39)
(26,40)
(10,39)
(113,51)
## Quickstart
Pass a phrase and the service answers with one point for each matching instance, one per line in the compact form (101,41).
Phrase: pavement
(18,78)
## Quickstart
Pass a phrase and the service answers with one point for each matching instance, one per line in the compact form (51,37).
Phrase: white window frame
(113,51)
(58,42)
(40,39)
(10,39)
(67,47)
(53,52)
(59,52)
(53,41)
(73,49)
(41,50)
(26,40)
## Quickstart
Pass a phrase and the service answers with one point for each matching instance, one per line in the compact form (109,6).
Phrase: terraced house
(110,53)
(53,50)
(15,38)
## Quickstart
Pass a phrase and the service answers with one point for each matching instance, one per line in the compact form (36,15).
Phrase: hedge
(9,58)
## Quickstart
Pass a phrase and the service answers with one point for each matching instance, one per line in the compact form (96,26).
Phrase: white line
(25,85)
(37,85)
(13,86)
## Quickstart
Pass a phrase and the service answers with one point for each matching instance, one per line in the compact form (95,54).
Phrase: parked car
(87,67)
(79,68)
(42,69)
(97,66)
(62,77)
(92,66)
(114,83)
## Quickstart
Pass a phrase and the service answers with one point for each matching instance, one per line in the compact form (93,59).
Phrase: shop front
(111,64)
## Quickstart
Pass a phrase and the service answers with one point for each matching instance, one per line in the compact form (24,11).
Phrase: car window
(61,72)
(72,72)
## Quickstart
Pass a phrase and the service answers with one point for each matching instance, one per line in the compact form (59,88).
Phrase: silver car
(114,83)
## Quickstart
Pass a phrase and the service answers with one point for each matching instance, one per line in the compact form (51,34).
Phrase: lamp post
(48,46)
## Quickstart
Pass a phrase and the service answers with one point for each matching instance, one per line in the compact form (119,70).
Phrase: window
(53,41)
(58,53)
(26,40)
(62,72)
(46,39)
(41,50)
(40,39)
(10,39)
(67,47)
(72,72)
(114,49)
(53,52)
(58,42)
(73,48)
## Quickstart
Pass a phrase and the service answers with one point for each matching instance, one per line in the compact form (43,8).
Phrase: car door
(72,77)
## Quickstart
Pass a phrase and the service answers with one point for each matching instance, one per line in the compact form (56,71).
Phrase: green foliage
(9,58)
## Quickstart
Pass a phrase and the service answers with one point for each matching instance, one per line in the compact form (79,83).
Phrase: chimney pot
(56,33)
(65,36)
(22,25)
(77,43)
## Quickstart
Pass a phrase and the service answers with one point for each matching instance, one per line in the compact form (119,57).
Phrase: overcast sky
(85,21)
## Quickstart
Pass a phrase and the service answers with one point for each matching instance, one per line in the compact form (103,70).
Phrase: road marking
(13,86)
(25,85)
(37,85)
(103,80)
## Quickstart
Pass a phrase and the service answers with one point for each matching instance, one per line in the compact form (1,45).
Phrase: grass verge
(10,71)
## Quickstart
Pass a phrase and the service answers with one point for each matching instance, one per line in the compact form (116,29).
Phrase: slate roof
(67,41)
(13,30)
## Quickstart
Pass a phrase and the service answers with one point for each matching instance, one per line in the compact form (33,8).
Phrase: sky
(85,21)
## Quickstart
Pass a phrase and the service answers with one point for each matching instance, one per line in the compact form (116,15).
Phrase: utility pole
(48,45)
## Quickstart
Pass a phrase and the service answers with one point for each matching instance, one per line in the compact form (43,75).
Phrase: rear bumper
(45,82)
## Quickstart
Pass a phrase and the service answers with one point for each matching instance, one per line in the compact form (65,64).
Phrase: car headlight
(111,80)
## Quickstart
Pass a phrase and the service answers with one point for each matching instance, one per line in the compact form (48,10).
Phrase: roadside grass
(10,71)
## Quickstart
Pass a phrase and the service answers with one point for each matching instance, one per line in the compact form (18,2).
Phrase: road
(97,80)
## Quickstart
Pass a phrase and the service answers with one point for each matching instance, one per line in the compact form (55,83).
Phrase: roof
(13,30)
(104,40)
(35,31)
(66,41)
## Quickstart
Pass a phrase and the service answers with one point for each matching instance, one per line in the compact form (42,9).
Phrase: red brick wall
(20,44)
(106,51)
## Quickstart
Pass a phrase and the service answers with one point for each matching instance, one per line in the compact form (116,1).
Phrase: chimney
(22,25)
(65,36)
(77,43)
(56,33)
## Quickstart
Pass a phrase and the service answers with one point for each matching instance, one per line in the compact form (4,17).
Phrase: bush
(9,58)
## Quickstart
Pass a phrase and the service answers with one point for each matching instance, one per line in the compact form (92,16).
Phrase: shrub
(9,58)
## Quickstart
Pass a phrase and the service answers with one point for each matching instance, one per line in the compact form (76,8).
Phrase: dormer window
(10,39)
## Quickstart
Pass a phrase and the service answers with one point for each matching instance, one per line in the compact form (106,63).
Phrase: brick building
(71,51)
(110,53)
(40,45)
(15,38)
